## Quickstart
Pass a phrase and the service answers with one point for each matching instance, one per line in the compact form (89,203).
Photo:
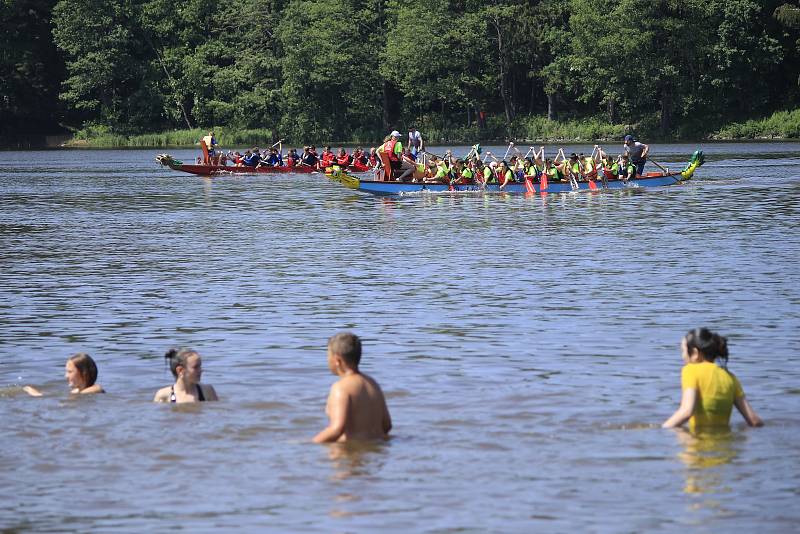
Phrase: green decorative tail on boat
(697,159)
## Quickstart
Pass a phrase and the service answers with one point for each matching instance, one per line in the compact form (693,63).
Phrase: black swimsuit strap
(200,396)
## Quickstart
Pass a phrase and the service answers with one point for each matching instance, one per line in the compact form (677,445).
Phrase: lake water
(528,348)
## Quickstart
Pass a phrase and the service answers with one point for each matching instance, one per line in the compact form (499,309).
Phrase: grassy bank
(226,137)
(532,129)
(781,125)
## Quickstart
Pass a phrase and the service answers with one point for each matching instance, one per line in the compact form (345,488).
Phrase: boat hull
(404,188)
(226,170)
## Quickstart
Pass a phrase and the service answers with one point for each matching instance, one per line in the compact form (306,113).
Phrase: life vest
(343,160)
(327,159)
(388,148)
(373,160)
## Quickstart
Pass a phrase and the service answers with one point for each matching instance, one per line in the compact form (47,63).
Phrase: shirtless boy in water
(356,407)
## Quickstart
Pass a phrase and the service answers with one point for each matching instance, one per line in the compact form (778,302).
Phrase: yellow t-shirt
(716,390)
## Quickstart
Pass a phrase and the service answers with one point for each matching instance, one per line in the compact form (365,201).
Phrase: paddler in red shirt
(327,157)
(343,159)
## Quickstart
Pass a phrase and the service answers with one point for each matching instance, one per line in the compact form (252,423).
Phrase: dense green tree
(31,68)
(336,69)
(329,73)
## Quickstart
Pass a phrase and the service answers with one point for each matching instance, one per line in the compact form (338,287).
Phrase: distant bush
(780,125)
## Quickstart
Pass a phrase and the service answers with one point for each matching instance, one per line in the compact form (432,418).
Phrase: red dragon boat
(210,167)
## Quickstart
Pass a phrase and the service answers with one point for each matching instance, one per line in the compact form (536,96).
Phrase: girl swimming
(80,372)
(709,391)
(186,367)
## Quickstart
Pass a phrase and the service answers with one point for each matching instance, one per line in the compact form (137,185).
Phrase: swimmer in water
(710,391)
(186,367)
(356,406)
(80,372)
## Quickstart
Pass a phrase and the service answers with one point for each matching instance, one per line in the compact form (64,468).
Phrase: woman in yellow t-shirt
(710,391)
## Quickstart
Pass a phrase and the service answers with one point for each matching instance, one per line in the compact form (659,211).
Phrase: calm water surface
(528,347)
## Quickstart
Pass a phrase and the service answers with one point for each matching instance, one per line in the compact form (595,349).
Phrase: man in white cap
(393,149)
(637,152)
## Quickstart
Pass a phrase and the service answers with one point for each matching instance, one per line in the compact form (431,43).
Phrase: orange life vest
(388,148)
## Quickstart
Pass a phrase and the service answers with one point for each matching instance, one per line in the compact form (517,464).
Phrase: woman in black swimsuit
(186,367)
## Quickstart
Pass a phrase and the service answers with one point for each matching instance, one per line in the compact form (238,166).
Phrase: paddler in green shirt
(467,175)
(553,174)
(624,169)
(506,173)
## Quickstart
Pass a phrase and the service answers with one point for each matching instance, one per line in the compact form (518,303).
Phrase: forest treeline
(352,69)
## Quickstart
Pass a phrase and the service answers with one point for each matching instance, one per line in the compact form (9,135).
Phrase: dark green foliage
(330,70)
(31,69)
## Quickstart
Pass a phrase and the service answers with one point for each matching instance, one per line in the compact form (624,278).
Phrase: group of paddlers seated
(274,157)
(519,168)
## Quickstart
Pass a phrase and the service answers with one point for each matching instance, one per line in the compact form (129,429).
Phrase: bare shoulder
(96,388)
(209,392)
(371,381)
(162,395)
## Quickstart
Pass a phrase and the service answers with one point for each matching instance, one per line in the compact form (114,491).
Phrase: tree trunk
(551,106)
(611,107)
(469,116)
(666,111)
(386,118)
(508,105)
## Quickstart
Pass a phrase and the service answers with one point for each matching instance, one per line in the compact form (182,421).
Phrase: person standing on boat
(415,142)
(211,144)
(392,148)
(637,152)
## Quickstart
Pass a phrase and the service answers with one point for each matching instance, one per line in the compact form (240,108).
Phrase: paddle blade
(592,185)
(529,185)
(543,182)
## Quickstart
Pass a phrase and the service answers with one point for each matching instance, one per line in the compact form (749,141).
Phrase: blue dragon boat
(530,186)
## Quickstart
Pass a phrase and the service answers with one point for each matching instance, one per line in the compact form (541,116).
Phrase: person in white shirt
(415,143)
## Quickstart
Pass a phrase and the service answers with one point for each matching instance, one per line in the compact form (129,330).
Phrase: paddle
(592,184)
(573,183)
(666,171)
(543,176)
(508,150)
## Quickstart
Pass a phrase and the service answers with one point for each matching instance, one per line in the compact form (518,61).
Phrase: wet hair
(176,357)
(713,346)
(347,346)
(86,368)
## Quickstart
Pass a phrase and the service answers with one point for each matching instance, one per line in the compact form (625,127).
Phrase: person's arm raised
(684,412)
(337,413)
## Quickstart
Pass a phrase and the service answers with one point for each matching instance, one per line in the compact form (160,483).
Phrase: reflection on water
(705,454)
(527,347)
(356,458)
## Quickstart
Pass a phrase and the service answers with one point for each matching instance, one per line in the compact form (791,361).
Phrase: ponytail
(712,345)
(175,357)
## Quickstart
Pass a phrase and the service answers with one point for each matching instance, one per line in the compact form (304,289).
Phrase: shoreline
(780,126)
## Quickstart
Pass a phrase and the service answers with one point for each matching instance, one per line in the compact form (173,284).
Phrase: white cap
(395,133)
